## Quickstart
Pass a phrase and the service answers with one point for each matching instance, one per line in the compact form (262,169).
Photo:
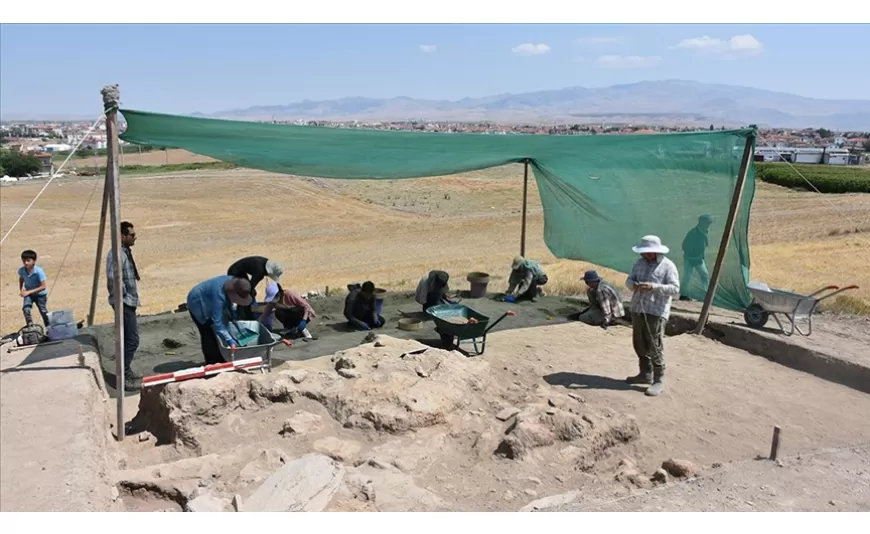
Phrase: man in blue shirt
(210,307)
(32,286)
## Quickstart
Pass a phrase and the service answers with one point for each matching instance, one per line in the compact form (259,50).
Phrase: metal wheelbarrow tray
(453,334)
(262,348)
(769,302)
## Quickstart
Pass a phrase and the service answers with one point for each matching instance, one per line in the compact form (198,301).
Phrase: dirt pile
(389,385)
(391,425)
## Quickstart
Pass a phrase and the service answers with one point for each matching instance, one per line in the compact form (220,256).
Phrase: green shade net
(600,193)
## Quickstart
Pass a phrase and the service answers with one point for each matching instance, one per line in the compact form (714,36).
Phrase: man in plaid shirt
(655,282)
(130,279)
(605,304)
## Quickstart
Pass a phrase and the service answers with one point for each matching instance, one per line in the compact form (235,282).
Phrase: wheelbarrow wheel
(755,316)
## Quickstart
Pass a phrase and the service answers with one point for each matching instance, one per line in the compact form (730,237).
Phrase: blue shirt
(208,302)
(34,279)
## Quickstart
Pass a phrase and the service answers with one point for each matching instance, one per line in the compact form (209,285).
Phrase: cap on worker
(274,270)
(591,276)
(239,291)
(706,218)
(518,262)
(650,244)
(271,291)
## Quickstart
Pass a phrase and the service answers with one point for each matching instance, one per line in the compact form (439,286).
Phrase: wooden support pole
(101,238)
(774,444)
(525,206)
(111,100)
(727,232)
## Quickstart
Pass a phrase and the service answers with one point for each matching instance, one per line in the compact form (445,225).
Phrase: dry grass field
(193,225)
(131,156)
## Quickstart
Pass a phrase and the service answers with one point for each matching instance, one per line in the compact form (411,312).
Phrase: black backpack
(32,334)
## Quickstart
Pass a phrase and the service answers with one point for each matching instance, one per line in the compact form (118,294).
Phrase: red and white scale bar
(200,372)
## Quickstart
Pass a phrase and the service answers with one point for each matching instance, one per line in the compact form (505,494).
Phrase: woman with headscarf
(432,290)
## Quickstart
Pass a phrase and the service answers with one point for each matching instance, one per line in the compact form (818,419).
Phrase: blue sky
(49,70)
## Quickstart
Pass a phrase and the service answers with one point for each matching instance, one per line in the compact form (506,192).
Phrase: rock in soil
(205,503)
(306,484)
(660,476)
(680,468)
(506,414)
(302,423)
(551,501)
(337,449)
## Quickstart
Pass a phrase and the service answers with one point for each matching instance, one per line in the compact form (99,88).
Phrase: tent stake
(726,233)
(525,206)
(100,240)
(111,100)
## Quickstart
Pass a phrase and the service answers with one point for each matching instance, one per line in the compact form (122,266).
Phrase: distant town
(45,140)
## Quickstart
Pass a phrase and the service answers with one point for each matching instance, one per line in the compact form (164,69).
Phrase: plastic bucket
(479,283)
(379,300)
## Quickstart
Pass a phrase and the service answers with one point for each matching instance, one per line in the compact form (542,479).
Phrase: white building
(837,156)
(808,155)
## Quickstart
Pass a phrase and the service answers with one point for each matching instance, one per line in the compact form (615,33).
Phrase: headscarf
(437,280)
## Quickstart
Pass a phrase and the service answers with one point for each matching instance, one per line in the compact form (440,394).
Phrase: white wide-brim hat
(650,244)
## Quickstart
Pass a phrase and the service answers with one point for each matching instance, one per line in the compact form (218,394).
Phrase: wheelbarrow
(457,324)
(769,302)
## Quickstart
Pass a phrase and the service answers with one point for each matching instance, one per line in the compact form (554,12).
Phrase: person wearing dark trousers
(293,311)
(359,307)
(210,306)
(32,286)
(130,296)
(254,269)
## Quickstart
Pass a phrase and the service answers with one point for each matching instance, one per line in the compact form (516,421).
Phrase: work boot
(658,384)
(131,384)
(130,374)
(640,378)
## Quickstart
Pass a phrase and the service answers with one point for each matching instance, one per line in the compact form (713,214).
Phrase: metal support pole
(99,261)
(110,101)
(727,232)
(525,206)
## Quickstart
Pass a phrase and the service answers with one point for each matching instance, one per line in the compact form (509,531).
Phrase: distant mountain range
(671,102)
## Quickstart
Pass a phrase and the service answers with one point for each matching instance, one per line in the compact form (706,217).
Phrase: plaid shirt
(606,298)
(663,274)
(128,275)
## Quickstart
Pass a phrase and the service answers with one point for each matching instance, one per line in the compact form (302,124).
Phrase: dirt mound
(393,425)
(587,437)
(389,385)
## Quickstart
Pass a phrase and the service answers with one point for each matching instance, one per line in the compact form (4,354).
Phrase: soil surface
(544,412)
(828,480)
(153,357)
(842,337)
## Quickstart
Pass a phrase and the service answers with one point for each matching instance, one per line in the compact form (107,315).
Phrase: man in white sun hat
(654,279)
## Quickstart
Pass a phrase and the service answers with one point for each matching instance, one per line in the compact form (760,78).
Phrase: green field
(825,178)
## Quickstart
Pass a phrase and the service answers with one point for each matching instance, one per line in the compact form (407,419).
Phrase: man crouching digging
(655,281)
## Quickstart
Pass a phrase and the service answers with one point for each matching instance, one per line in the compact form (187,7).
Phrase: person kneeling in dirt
(359,307)
(605,305)
(294,312)
(432,290)
(526,280)
(210,306)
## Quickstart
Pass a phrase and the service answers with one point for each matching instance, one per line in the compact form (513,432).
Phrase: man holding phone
(655,281)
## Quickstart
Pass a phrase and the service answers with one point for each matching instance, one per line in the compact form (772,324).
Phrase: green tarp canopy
(600,193)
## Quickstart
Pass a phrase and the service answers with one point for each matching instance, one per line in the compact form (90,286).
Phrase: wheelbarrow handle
(837,292)
(826,288)
(492,325)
